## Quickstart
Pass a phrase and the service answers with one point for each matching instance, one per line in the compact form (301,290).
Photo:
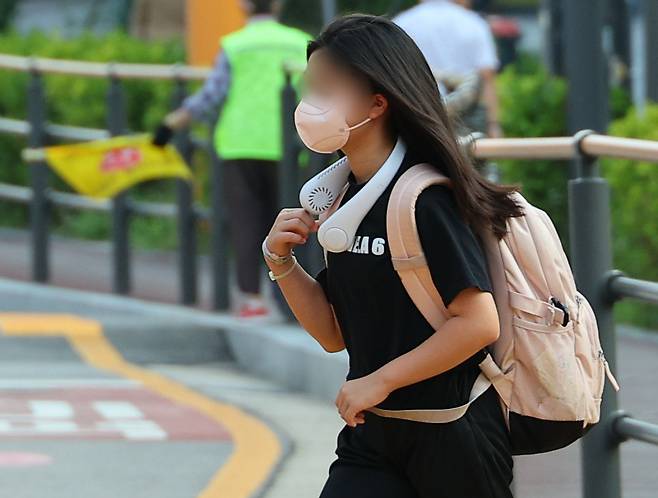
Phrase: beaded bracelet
(275,258)
(274,277)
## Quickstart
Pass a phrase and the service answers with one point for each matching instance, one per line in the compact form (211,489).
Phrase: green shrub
(634,199)
(533,104)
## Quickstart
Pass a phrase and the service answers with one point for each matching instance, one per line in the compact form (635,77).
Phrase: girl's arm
(473,326)
(459,271)
(302,292)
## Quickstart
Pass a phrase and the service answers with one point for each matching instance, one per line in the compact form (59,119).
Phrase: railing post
(288,184)
(313,259)
(187,220)
(591,258)
(651,12)
(39,176)
(218,241)
(288,171)
(116,122)
(586,67)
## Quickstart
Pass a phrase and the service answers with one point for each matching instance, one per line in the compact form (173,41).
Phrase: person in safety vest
(246,83)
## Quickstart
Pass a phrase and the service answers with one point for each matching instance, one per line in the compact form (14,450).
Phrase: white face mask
(322,126)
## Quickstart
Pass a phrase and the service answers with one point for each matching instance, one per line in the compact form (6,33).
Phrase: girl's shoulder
(454,255)
(439,199)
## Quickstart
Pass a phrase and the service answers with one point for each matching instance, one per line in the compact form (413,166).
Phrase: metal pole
(651,23)
(39,176)
(640,430)
(328,11)
(116,120)
(288,174)
(638,54)
(288,186)
(187,240)
(314,258)
(591,258)
(218,241)
(621,35)
(550,19)
(586,67)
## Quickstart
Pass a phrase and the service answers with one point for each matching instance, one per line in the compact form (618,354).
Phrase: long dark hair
(377,49)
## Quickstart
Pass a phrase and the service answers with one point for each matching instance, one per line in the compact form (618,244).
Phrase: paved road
(77,419)
(557,474)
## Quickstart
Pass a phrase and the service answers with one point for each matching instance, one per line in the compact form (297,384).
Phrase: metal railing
(591,259)
(41,198)
(589,223)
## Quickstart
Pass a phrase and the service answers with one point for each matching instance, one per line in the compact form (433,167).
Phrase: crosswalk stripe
(51,409)
(117,409)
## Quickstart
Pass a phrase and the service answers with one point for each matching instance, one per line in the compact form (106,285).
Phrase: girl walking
(370,72)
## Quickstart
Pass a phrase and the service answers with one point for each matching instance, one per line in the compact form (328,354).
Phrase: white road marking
(51,409)
(118,410)
(134,429)
(50,426)
(57,417)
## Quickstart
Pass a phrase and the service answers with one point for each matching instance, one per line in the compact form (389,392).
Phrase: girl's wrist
(384,378)
(274,258)
(282,271)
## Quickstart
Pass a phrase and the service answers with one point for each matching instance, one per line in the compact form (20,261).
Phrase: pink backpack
(547,365)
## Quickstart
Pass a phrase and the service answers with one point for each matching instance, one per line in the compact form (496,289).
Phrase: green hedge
(634,199)
(533,104)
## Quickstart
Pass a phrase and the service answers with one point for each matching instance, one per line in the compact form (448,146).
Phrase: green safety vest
(249,125)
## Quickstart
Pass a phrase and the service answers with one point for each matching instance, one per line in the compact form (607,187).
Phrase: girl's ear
(379,105)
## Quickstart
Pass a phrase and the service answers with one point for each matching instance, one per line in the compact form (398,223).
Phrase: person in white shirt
(458,42)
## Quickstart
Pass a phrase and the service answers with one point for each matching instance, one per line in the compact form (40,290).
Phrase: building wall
(207,20)
(67,16)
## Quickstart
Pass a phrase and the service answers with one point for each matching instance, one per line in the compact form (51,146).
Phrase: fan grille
(321,199)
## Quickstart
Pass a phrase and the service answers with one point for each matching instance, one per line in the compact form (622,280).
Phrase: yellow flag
(103,168)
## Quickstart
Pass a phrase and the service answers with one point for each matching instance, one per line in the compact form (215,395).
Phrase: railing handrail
(524,148)
(178,71)
(124,70)
(23,195)
(558,148)
(592,144)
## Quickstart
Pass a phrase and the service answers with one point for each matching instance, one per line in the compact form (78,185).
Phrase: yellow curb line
(256,447)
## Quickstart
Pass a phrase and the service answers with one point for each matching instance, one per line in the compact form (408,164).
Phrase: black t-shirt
(378,319)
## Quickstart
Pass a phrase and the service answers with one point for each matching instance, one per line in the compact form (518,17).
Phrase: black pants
(393,458)
(251,192)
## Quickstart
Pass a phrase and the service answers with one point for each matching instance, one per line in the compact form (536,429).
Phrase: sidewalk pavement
(87,265)
(310,424)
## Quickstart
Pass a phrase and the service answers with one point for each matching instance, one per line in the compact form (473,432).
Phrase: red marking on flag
(123,158)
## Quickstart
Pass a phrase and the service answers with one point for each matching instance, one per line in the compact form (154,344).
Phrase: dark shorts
(385,457)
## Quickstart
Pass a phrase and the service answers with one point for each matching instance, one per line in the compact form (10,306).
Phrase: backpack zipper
(608,372)
(600,355)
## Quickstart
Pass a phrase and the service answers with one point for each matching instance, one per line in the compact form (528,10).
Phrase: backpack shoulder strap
(404,242)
